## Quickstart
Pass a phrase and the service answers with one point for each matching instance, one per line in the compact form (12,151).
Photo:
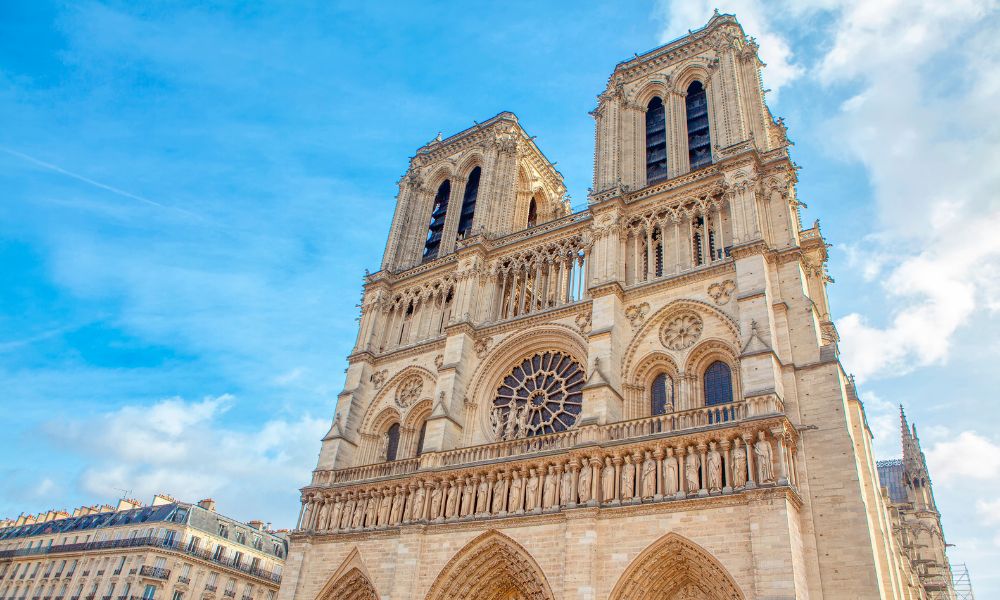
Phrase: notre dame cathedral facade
(639,400)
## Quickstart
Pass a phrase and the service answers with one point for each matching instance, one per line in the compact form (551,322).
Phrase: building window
(392,442)
(656,141)
(718,384)
(434,230)
(662,395)
(420,438)
(178,596)
(469,203)
(149,593)
(532,213)
(699,141)
(543,394)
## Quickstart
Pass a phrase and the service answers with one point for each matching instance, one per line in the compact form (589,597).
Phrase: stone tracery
(543,394)
(491,567)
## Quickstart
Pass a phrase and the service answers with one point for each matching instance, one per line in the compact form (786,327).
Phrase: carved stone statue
(739,466)
(531,491)
(510,427)
(321,515)
(497,423)
(417,511)
(628,478)
(608,481)
(670,473)
(371,511)
(451,504)
(762,455)
(648,476)
(435,500)
(549,490)
(714,469)
(383,453)
(359,513)
(583,484)
(483,496)
(522,422)
(345,520)
(384,507)
(338,508)
(499,494)
(468,497)
(566,495)
(516,503)
(691,472)
(396,513)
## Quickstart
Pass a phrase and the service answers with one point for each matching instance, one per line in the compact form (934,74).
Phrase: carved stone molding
(482,346)
(721,292)
(408,390)
(378,378)
(682,331)
(583,322)
(636,314)
(439,361)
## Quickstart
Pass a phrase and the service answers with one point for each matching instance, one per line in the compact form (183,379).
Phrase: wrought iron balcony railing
(154,572)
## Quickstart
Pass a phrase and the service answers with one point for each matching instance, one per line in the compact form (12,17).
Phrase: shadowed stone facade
(640,400)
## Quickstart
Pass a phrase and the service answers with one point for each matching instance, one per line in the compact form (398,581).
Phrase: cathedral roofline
(475,128)
(716,20)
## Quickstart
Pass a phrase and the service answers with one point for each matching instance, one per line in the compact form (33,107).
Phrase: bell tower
(643,399)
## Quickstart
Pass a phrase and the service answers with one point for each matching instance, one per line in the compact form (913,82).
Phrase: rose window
(543,394)
(682,331)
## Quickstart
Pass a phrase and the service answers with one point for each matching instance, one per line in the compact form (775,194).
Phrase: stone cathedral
(641,400)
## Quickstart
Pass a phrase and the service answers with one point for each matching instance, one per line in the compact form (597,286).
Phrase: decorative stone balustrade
(365,472)
(732,457)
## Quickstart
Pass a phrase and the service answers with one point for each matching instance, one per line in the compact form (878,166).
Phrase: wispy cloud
(57,169)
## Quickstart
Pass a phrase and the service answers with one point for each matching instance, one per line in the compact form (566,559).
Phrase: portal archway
(675,568)
(350,581)
(491,567)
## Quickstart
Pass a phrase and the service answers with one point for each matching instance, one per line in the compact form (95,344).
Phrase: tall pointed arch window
(661,395)
(656,141)
(699,141)
(469,203)
(532,213)
(420,438)
(433,243)
(718,384)
(392,442)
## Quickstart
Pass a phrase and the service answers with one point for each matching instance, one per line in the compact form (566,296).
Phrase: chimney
(161,499)
(207,504)
(257,524)
(128,504)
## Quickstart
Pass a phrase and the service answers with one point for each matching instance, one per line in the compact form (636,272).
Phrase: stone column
(727,466)
(751,471)
(702,450)
(658,455)
(617,461)
(681,455)
(779,439)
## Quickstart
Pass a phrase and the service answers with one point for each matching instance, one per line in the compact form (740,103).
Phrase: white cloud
(989,511)
(181,448)
(774,48)
(968,456)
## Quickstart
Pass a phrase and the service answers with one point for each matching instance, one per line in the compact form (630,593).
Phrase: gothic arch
(641,380)
(350,581)
(472,159)
(501,360)
(652,89)
(491,567)
(688,74)
(382,399)
(416,416)
(674,567)
(705,310)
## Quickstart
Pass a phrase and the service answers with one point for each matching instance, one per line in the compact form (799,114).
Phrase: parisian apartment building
(639,400)
(167,550)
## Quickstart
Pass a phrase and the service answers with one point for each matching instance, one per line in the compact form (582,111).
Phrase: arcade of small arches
(494,566)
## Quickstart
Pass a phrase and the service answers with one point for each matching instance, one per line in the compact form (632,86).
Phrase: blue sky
(191,195)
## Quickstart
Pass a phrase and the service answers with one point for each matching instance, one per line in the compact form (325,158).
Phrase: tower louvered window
(699,142)
(469,203)
(656,141)
(532,213)
(718,384)
(437,221)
